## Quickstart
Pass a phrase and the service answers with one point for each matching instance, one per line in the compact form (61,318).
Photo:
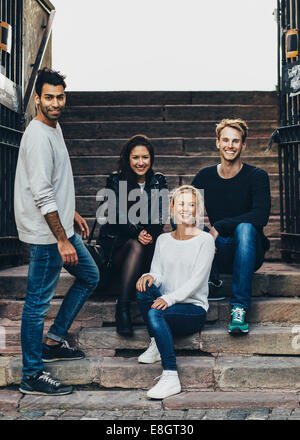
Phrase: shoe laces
(66,345)
(163,377)
(152,346)
(238,314)
(46,377)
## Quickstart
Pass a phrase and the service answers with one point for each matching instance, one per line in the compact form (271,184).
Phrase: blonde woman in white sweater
(173,296)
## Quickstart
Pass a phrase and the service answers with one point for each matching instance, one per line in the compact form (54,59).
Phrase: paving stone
(231,400)
(74,413)
(215,414)
(259,414)
(195,414)
(238,414)
(173,415)
(32,415)
(91,400)
(280,413)
(54,412)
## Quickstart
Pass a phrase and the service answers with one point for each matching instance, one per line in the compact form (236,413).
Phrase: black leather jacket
(122,232)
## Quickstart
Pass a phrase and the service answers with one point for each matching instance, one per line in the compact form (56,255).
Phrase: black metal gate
(10,120)
(288,133)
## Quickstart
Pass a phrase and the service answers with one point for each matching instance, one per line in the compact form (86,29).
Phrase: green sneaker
(238,324)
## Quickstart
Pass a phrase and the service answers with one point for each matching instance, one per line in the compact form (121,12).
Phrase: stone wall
(34,17)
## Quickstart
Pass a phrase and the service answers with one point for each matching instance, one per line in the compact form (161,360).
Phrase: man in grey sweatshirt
(45,217)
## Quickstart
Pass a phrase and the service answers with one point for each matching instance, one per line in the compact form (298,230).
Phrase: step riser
(284,285)
(112,130)
(94,314)
(260,340)
(204,147)
(171,98)
(168,113)
(164,164)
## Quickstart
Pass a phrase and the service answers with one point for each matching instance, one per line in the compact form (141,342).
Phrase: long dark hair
(125,171)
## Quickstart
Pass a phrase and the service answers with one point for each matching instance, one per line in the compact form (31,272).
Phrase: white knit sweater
(181,268)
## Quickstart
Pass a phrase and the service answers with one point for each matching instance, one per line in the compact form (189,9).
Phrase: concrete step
(95,314)
(165,164)
(281,311)
(171,98)
(273,279)
(215,339)
(256,373)
(271,230)
(206,146)
(134,405)
(168,112)
(155,129)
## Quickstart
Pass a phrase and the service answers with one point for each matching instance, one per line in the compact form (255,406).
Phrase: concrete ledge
(220,400)
(92,400)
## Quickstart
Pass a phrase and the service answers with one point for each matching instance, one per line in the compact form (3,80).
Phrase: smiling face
(140,161)
(230,144)
(185,209)
(51,103)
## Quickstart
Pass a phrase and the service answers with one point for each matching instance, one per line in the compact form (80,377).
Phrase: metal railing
(12,109)
(287,136)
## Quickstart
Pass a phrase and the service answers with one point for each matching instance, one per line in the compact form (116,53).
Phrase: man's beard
(49,116)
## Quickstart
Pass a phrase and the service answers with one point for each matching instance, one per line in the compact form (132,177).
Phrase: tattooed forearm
(53,220)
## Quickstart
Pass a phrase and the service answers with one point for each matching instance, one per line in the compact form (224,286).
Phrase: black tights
(131,261)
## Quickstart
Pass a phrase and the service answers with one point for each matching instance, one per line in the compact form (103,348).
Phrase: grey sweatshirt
(44,183)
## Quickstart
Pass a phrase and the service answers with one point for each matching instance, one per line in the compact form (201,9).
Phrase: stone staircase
(181,125)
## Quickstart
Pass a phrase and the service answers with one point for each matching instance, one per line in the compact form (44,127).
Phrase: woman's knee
(154,317)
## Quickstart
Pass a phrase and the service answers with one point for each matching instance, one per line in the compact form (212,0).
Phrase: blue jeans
(43,274)
(240,255)
(180,319)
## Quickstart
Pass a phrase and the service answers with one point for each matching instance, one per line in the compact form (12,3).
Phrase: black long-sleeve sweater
(244,198)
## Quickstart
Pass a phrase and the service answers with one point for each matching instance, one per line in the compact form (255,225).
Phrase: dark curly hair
(125,171)
(48,76)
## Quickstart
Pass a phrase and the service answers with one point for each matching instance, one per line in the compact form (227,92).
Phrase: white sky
(166,44)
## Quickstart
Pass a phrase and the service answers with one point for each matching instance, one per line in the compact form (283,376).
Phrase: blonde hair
(199,202)
(238,124)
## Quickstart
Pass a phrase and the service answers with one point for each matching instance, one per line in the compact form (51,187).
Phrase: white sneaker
(151,355)
(167,385)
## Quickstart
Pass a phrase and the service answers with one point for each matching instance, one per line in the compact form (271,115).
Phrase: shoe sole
(217,299)
(40,393)
(62,359)
(164,397)
(237,331)
(149,362)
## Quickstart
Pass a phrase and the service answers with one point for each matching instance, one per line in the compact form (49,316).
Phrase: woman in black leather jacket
(135,231)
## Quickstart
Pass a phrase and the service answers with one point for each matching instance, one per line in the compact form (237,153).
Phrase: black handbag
(102,260)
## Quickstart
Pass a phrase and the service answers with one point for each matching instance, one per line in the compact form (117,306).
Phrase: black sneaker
(42,383)
(216,291)
(61,352)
